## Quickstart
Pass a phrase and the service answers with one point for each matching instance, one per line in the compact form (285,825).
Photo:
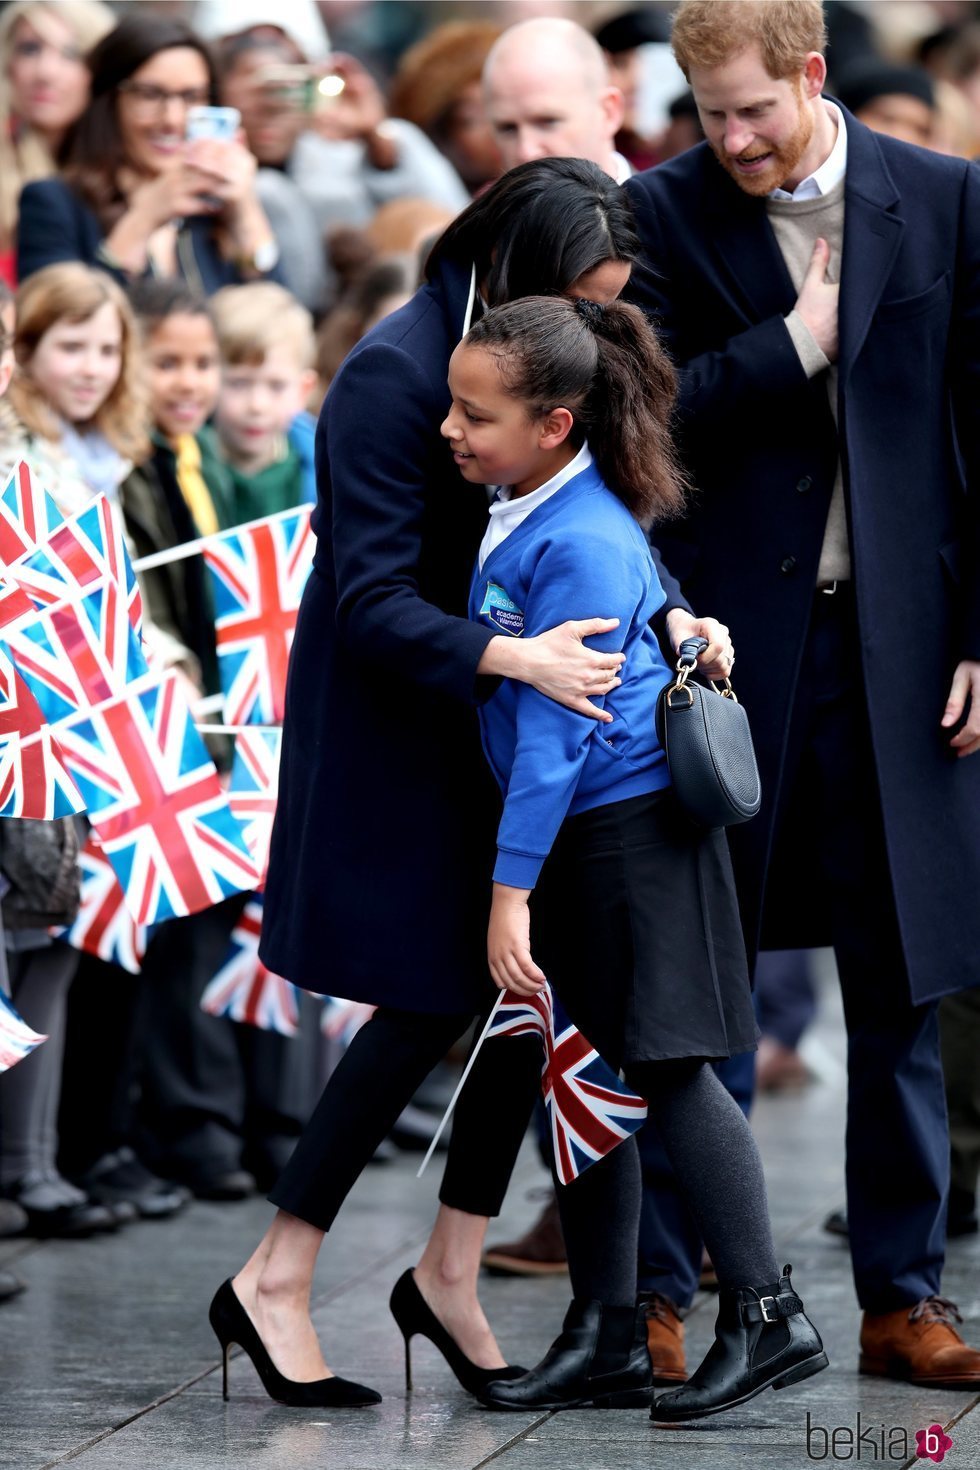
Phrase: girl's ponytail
(605,365)
(629,411)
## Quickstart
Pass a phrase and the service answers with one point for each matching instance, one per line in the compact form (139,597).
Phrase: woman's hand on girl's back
(559,665)
(509,942)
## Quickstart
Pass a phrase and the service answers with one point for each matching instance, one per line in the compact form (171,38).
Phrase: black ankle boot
(600,1358)
(762,1339)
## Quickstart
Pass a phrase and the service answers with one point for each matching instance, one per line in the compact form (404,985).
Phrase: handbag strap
(689,653)
(687,661)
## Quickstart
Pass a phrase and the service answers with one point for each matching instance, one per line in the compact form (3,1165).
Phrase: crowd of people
(786,408)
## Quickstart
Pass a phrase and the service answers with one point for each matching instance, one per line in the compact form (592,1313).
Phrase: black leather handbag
(705,734)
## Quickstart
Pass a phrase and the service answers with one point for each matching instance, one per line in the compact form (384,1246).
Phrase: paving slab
(108,1363)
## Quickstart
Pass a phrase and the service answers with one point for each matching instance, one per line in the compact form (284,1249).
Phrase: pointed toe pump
(763,1339)
(415,1318)
(232,1324)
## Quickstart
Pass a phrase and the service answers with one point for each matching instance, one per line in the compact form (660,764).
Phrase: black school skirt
(636,924)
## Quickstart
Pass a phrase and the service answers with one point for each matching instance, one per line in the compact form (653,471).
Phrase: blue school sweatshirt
(578,555)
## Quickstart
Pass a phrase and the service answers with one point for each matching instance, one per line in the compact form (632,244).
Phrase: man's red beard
(781,162)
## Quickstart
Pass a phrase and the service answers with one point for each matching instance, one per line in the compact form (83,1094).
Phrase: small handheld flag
(589,1108)
(17,1040)
(258,577)
(244,990)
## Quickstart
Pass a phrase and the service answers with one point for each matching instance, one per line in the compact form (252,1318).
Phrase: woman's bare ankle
(282,1291)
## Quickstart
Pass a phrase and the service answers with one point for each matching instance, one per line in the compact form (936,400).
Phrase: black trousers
(897,1138)
(378,1075)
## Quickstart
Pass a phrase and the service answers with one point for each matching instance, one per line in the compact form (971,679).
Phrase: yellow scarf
(193,486)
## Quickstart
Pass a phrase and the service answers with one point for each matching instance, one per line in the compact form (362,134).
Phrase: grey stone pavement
(107,1362)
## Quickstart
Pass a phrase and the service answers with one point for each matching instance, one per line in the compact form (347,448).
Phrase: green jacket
(249,497)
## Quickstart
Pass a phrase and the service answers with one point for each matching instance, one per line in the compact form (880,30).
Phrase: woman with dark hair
(135,196)
(379,878)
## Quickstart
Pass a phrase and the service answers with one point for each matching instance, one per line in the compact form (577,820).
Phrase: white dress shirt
(830,172)
(506,513)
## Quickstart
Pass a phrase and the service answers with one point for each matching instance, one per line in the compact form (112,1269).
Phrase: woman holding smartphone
(137,196)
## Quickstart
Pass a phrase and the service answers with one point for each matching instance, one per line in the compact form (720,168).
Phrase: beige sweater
(798,225)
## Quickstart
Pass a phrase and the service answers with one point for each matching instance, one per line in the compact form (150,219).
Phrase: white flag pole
(459,1086)
(191,548)
(213,705)
(234,729)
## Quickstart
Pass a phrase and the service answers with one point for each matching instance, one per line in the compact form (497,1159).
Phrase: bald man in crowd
(548,95)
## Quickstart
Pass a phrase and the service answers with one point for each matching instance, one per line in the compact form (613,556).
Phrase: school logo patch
(502,611)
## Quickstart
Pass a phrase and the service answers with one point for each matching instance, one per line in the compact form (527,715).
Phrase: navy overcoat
(382,851)
(763,447)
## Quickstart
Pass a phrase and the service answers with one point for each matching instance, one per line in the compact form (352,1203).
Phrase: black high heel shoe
(232,1324)
(414,1317)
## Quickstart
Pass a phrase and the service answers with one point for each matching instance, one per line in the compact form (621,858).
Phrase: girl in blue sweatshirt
(565,407)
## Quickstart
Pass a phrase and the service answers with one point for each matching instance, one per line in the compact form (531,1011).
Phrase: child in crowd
(78,410)
(268,351)
(565,405)
(76,394)
(40,887)
(183,491)
(212,1093)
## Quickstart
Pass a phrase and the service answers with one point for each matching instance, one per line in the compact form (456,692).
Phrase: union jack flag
(28,515)
(104,926)
(590,1110)
(78,653)
(342,1019)
(258,577)
(244,990)
(88,547)
(154,798)
(253,788)
(33,779)
(17,1040)
(14,604)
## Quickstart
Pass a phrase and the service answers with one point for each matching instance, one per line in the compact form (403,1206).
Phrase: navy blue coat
(763,447)
(382,851)
(55,224)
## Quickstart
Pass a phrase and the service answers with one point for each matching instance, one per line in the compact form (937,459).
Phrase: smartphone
(302,87)
(294,86)
(217,124)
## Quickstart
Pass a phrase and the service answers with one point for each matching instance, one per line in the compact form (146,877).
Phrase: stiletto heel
(232,1324)
(414,1316)
(226,1349)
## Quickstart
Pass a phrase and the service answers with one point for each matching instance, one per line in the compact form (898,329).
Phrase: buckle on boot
(765,1314)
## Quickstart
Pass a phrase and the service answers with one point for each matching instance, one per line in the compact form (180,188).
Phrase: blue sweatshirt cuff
(517,869)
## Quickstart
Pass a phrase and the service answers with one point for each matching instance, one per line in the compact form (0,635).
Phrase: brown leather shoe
(541,1252)
(919,1344)
(779,1068)
(665,1341)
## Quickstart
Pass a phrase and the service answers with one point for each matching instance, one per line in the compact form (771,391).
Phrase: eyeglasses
(147,98)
